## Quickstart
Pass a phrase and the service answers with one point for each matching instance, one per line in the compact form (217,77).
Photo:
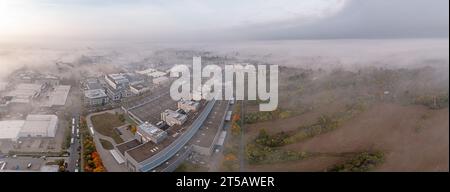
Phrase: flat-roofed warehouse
(58,96)
(25,92)
(39,126)
(10,129)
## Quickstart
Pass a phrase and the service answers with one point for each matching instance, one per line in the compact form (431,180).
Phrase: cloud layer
(175,20)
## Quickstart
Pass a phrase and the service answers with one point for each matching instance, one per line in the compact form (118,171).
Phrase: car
(29,165)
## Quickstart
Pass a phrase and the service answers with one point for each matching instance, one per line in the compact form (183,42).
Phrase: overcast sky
(167,20)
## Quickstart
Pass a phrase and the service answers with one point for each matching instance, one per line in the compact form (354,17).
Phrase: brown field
(413,138)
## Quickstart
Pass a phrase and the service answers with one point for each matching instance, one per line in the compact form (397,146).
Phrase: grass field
(105,124)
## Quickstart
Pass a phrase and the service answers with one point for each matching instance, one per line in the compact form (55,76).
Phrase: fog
(351,54)
(315,34)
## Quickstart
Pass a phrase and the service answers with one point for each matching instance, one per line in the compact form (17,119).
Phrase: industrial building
(39,126)
(48,80)
(10,129)
(95,97)
(25,92)
(32,126)
(173,118)
(152,73)
(58,96)
(147,132)
(188,105)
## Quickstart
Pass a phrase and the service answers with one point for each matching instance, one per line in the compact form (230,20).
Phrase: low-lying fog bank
(325,54)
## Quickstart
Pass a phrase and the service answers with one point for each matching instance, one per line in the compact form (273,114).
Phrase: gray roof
(95,93)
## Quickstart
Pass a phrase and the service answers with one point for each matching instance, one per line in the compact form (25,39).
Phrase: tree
(133,129)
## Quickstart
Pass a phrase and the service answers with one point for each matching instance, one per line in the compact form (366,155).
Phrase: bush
(257,154)
(275,140)
(324,124)
(433,101)
(363,162)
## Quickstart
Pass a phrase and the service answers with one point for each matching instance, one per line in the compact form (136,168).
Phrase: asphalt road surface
(74,153)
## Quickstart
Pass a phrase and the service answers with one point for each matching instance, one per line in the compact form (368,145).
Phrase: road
(242,140)
(74,105)
(74,152)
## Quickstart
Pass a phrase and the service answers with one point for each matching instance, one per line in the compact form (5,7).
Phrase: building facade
(173,118)
(147,132)
(96,97)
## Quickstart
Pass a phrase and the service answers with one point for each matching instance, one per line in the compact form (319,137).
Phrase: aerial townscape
(224,86)
(123,121)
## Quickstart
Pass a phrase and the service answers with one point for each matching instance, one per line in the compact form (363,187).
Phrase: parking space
(207,133)
(23,163)
(151,111)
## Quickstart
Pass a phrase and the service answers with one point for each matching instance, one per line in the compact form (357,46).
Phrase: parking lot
(151,111)
(21,163)
(213,124)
